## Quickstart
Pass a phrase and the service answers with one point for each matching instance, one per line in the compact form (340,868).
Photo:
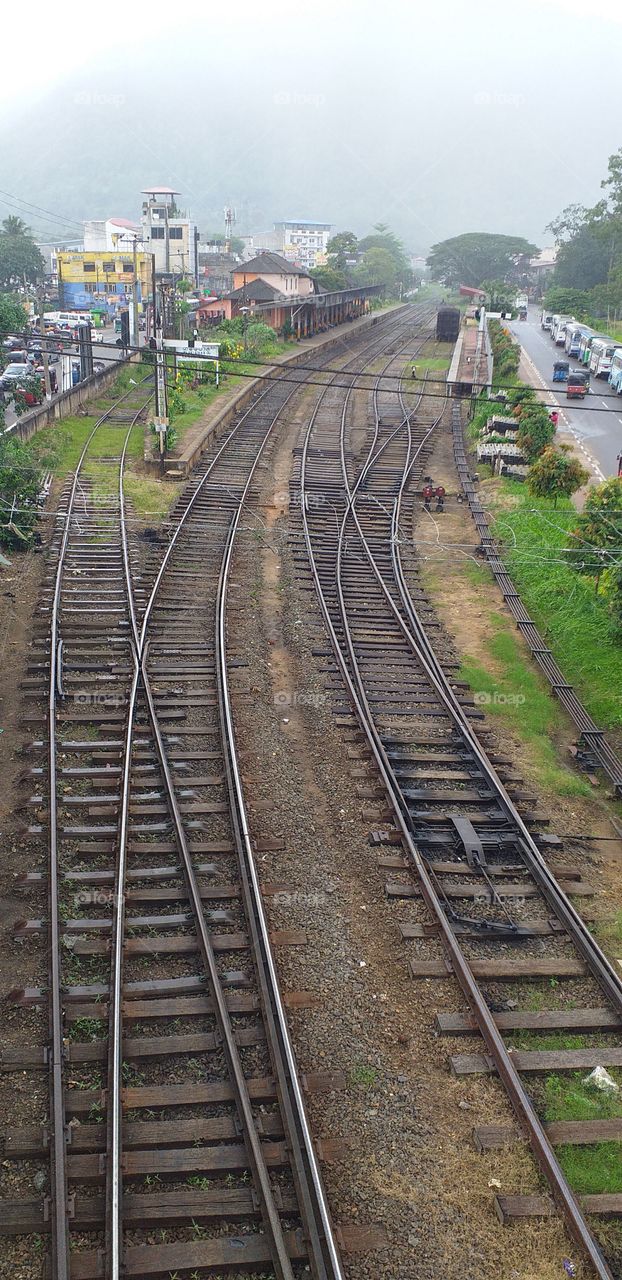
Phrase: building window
(109,268)
(88,266)
(157,233)
(128,267)
(176,233)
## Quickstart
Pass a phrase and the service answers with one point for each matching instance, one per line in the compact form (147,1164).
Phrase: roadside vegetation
(588,273)
(512,690)
(566,565)
(576,620)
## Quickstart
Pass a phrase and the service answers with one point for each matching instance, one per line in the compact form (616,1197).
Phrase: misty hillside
(400,132)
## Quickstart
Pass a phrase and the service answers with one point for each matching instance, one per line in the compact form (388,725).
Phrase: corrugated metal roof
(272,263)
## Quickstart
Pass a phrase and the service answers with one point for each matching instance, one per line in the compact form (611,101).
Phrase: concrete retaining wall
(64,405)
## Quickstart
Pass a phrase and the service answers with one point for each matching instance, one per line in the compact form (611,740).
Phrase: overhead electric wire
(57,217)
(279,369)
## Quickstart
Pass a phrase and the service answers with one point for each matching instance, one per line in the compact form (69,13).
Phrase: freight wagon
(447,324)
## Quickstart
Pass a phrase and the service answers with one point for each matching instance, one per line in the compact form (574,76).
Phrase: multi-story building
(303,241)
(298,240)
(102,280)
(171,238)
(110,234)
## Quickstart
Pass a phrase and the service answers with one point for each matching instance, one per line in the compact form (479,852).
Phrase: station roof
(256,291)
(159,191)
(273,264)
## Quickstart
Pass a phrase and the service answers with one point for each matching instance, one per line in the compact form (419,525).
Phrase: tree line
(379,258)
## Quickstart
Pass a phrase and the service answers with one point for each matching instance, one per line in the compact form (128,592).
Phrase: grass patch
(363,1076)
(595,1169)
(575,621)
(60,446)
(511,689)
(592,1170)
(553,1040)
(609,930)
(151,499)
(430,363)
(568,1098)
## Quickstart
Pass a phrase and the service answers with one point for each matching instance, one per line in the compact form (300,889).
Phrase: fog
(435,119)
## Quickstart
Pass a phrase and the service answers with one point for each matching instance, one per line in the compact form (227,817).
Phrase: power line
(56,217)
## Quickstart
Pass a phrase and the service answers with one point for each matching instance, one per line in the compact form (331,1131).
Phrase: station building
(275,291)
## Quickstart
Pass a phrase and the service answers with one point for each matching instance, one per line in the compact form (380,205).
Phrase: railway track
(177,1135)
(470,846)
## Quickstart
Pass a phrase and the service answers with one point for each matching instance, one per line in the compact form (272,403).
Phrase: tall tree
(20,259)
(476,256)
(556,474)
(12,315)
(597,536)
(340,247)
(377,266)
(330,278)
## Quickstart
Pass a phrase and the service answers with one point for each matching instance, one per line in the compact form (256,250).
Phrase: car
(13,374)
(31,398)
(20,357)
(12,343)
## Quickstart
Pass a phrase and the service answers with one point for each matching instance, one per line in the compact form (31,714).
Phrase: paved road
(596,422)
(103,353)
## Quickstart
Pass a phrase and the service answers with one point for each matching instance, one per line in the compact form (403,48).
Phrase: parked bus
(601,356)
(559,330)
(66,319)
(574,334)
(615,372)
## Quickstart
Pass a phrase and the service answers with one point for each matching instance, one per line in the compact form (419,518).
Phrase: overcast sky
(436,119)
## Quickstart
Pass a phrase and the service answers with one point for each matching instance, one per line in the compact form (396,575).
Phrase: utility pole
(135,335)
(44,354)
(160,421)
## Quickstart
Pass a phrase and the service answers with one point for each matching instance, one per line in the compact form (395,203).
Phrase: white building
(106,235)
(303,241)
(171,238)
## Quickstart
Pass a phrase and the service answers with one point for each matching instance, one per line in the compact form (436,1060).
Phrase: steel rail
(58,1149)
(519,1097)
(607,758)
(324,1258)
(315,1214)
(60,1261)
(226,442)
(305,1157)
(261,1176)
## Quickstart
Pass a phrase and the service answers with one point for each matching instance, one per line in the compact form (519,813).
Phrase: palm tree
(13,226)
